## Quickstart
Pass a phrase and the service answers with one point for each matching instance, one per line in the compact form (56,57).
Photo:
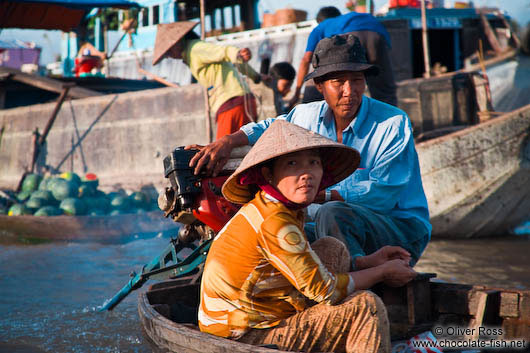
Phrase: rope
(243,80)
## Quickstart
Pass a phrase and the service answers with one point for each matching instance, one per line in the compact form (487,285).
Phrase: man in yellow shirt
(216,68)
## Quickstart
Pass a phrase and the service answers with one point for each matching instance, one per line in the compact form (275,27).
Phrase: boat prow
(476,179)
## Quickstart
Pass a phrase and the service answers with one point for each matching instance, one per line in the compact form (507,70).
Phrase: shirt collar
(326,114)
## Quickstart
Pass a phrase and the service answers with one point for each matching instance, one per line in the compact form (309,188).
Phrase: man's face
(343,91)
(284,86)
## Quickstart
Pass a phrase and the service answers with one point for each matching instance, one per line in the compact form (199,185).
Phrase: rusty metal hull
(477,180)
(103,229)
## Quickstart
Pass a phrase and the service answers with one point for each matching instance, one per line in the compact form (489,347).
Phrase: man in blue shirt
(373,37)
(382,202)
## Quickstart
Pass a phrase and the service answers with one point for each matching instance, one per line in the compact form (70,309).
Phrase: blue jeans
(365,231)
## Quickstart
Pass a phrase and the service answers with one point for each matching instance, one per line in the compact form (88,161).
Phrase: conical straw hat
(283,138)
(168,34)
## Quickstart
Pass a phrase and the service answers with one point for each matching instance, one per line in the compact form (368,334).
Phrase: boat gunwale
(148,314)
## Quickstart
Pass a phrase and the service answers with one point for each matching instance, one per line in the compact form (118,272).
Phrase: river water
(50,293)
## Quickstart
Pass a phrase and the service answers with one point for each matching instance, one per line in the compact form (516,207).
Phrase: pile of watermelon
(69,194)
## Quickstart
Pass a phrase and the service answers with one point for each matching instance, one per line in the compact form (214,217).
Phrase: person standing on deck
(381,203)
(373,37)
(216,68)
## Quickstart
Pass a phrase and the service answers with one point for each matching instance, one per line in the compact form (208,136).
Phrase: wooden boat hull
(104,229)
(415,308)
(477,180)
(167,335)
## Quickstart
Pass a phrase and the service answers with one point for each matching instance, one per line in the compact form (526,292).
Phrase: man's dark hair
(283,70)
(327,12)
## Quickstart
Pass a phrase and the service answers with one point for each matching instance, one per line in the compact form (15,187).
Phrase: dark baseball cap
(340,53)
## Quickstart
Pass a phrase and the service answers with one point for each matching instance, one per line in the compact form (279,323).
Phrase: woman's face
(296,175)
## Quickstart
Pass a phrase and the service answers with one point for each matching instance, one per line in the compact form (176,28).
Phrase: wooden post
(206,101)
(425,41)
(42,138)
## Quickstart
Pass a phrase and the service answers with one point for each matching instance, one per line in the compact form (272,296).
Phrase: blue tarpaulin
(51,14)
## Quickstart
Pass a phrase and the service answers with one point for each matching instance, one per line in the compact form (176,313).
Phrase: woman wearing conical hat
(214,67)
(261,275)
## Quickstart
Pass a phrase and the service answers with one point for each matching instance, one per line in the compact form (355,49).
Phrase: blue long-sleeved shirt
(388,180)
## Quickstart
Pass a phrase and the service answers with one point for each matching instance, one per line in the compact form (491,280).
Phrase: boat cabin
(454,37)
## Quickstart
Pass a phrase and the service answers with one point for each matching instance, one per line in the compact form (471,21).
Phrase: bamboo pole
(206,101)
(425,41)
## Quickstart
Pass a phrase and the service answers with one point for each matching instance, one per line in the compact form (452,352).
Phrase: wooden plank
(492,39)
(478,320)
(509,305)
(47,83)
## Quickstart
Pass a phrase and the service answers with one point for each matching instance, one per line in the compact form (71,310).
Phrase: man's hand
(397,273)
(214,156)
(381,256)
(244,54)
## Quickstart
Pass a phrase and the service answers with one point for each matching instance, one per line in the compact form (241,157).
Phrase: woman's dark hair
(283,70)
(327,12)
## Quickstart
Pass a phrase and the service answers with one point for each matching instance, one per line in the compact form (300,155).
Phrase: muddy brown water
(50,293)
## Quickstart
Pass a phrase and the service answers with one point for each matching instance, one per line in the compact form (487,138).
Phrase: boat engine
(194,200)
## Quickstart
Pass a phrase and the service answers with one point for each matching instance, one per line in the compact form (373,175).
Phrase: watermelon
(18,209)
(34,203)
(48,211)
(73,206)
(86,190)
(97,212)
(44,194)
(23,195)
(139,199)
(90,179)
(62,189)
(31,182)
(51,183)
(72,177)
(120,202)
(100,193)
(43,185)
(99,203)
(116,212)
